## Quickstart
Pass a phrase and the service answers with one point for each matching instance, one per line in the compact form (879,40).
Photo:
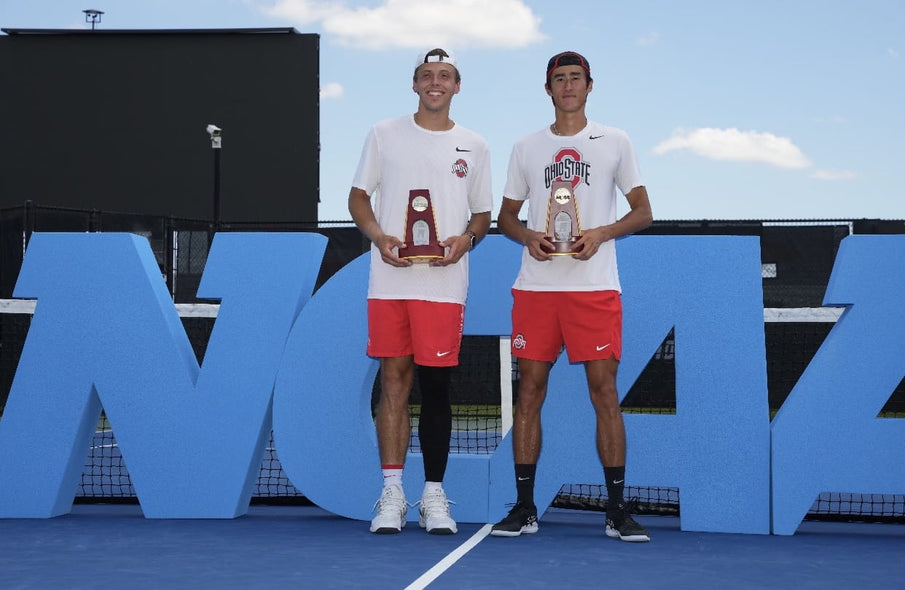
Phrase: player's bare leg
(393,432)
(526,426)
(601,376)
(393,425)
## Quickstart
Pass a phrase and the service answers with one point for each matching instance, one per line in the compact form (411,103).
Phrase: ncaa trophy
(563,228)
(420,237)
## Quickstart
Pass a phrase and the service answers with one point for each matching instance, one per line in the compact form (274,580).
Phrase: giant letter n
(106,334)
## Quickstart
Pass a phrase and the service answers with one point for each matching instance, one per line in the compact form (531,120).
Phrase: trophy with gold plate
(420,237)
(563,227)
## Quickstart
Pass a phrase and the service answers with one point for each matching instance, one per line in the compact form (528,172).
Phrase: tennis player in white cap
(422,196)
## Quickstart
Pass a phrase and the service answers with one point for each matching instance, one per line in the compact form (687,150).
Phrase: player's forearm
(639,216)
(634,221)
(479,224)
(363,214)
(511,226)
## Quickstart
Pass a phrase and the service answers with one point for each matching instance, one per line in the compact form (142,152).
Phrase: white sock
(432,486)
(392,477)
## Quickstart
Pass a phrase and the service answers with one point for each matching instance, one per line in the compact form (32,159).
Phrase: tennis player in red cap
(567,292)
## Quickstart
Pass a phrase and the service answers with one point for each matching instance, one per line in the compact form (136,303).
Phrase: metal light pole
(216,142)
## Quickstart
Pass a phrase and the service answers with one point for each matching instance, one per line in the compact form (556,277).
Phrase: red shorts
(588,323)
(430,331)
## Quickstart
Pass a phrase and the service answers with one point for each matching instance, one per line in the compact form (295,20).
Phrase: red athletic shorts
(431,331)
(588,323)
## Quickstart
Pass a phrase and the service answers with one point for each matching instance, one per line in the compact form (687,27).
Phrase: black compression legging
(435,425)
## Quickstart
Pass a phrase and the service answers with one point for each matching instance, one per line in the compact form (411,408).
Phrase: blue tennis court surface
(276,547)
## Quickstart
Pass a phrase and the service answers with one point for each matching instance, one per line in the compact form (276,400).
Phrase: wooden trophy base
(422,254)
(562,248)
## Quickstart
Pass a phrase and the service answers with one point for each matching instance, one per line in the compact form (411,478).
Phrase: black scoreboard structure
(119,121)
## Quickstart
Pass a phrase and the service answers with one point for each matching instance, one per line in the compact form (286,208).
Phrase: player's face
(436,84)
(569,88)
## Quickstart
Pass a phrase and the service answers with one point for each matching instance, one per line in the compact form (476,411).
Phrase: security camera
(214,132)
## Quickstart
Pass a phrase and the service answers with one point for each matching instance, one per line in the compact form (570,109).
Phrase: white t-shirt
(454,165)
(596,161)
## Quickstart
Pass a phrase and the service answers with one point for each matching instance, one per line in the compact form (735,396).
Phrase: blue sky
(774,109)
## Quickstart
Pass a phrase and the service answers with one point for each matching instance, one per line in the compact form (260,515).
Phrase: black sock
(524,482)
(435,423)
(615,484)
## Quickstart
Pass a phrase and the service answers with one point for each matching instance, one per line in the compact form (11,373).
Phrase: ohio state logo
(567,167)
(460,168)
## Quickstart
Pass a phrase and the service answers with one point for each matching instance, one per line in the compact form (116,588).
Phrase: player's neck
(567,124)
(434,120)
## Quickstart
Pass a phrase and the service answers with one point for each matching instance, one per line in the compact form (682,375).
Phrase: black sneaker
(521,519)
(621,525)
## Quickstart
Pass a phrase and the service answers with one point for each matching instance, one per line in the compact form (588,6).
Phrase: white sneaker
(391,509)
(434,514)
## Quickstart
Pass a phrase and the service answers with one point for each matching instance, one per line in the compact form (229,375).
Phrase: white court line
(447,562)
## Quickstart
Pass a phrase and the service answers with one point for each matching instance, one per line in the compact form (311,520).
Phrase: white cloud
(301,12)
(417,23)
(892,53)
(833,175)
(735,145)
(649,39)
(331,90)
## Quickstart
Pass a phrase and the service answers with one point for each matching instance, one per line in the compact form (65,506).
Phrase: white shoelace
(436,502)
(389,501)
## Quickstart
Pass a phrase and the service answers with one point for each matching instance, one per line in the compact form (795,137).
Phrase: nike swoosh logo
(599,348)
(458,149)
(594,136)
(523,478)
(443,353)
(619,481)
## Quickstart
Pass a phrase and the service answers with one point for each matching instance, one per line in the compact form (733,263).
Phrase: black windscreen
(115,121)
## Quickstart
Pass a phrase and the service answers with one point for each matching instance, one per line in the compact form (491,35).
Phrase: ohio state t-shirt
(596,162)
